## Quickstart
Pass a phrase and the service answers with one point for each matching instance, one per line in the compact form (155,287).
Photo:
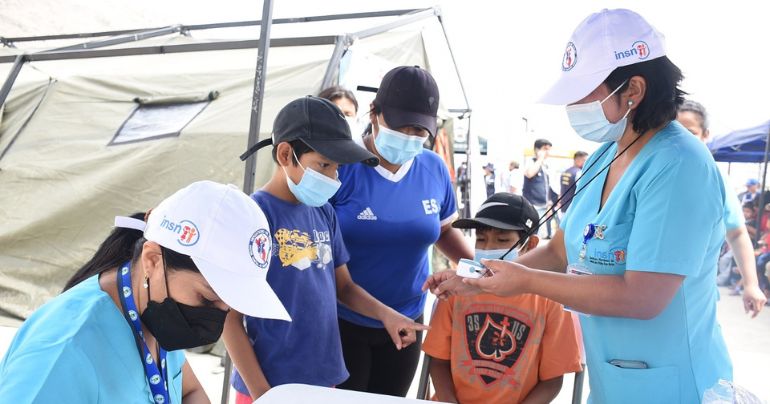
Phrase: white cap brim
(248,294)
(570,89)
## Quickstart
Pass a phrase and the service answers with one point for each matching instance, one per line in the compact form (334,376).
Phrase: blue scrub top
(665,215)
(78,348)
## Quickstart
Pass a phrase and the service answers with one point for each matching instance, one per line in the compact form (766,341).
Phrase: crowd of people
(320,276)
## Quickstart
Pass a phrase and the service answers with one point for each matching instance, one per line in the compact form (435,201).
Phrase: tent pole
(18,63)
(258,95)
(340,45)
(10,41)
(454,61)
(761,205)
(256,117)
(133,37)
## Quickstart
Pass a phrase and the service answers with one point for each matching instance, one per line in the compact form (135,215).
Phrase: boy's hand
(402,330)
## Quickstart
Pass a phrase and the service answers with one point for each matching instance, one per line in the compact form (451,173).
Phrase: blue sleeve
(733,215)
(449,204)
(339,251)
(678,209)
(58,374)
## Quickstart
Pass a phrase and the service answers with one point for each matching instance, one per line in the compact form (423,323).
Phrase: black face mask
(179,326)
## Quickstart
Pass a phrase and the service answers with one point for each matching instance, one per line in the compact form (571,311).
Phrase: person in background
(389,216)
(752,191)
(490,349)
(537,186)
(346,101)
(692,115)
(513,179)
(117,332)
(489,179)
(309,269)
(569,178)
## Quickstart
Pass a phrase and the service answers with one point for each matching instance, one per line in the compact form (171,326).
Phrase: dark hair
(123,245)
(299,148)
(334,93)
(579,154)
(697,109)
(539,143)
(750,205)
(662,97)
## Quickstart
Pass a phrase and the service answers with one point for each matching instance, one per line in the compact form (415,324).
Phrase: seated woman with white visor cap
(116,334)
(641,238)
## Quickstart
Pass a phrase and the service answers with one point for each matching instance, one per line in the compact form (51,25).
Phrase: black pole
(18,63)
(256,118)
(761,205)
(258,95)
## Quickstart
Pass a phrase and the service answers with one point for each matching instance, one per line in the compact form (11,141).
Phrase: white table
(303,393)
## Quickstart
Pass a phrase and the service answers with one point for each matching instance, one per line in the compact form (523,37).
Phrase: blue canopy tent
(742,146)
(749,145)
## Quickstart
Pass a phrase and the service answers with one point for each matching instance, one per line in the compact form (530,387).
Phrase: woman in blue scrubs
(640,241)
(116,334)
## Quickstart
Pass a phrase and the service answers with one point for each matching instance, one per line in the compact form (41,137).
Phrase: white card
(470,269)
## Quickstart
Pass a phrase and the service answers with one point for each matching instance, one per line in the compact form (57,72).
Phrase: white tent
(64,170)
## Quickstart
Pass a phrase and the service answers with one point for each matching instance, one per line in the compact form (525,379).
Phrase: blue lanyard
(156,378)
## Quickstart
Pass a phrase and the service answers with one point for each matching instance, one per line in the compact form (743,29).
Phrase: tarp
(61,184)
(742,146)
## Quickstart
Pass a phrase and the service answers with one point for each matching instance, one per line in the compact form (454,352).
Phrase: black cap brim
(342,151)
(484,222)
(399,118)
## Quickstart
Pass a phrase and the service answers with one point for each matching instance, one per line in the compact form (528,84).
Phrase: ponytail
(114,251)
(125,245)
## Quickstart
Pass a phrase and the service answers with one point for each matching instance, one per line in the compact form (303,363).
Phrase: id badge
(577,269)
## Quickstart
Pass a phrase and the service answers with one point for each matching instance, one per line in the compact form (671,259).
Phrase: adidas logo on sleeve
(367,214)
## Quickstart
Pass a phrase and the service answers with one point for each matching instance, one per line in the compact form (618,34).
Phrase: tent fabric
(60,182)
(741,146)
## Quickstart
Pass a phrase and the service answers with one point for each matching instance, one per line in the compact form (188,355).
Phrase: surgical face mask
(314,189)
(590,123)
(179,326)
(499,254)
(396,147)
(356,130)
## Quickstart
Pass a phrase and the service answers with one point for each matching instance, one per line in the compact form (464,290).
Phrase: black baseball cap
(318,123)
(504,211)
(408,96)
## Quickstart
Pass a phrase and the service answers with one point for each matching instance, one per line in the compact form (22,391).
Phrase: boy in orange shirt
(489,349)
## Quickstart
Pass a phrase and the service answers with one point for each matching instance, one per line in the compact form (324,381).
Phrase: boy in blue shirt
(311,139)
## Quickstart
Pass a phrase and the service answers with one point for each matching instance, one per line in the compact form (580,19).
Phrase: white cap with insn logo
(601,43)
(227,236)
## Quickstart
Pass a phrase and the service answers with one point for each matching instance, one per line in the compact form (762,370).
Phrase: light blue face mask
(496,254)
(396,147)
(589,121)
(314,189)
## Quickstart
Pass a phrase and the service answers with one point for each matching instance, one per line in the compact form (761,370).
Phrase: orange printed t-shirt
(500,347)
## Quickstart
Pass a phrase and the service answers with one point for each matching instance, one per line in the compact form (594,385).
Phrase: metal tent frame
(95,43)
(93,48)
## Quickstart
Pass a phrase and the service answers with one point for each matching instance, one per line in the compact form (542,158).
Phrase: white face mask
(590,123)
(356,129)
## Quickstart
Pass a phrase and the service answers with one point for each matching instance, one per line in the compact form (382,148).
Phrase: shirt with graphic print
(499,348)
(307,247)
(388,221)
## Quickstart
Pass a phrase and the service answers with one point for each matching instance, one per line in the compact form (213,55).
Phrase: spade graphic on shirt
(495,342)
